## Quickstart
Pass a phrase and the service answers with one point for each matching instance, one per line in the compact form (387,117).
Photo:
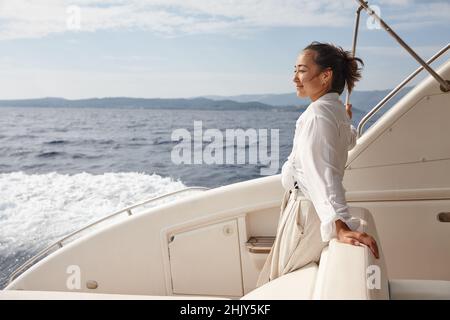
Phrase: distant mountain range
(123,102)
(362,102)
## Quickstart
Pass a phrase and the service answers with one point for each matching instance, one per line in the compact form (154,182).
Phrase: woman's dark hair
(344,65)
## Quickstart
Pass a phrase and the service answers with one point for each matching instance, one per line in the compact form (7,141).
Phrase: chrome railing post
(355,38)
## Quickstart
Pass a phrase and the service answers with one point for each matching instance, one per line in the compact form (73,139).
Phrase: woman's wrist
(341,227)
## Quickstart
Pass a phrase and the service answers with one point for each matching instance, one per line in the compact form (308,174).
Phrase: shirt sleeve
(288,170)
(287,175)
(353,136)
(318,156)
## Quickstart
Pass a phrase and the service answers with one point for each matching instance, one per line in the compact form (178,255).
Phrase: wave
(93,141)
(159,141)
(22,136)
(136,125)
(103,141)
(37,209)
(56,142)
(20,153)
(50,154)
(85,156)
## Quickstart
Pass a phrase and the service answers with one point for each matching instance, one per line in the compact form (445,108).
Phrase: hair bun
(346,69)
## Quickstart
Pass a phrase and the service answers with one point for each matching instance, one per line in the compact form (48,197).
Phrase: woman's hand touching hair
(356,238)
(348,108)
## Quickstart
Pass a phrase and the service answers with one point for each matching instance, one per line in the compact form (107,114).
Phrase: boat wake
(38,209)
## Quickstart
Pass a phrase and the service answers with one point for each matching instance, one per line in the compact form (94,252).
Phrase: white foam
(37,209)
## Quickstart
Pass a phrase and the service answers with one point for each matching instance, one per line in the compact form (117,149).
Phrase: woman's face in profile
(306,76)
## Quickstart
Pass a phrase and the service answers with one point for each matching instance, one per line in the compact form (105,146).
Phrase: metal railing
(394,91)
(355,39)
(444,84)
(59,244)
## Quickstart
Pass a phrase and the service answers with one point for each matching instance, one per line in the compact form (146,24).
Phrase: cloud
(36,19)
(32,19)
(395,2)
(398,52)
(413,14)
(424,15)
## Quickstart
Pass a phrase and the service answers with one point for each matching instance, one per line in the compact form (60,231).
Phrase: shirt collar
(329,96)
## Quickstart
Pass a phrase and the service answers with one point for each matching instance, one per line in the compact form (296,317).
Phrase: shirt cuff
(328,229)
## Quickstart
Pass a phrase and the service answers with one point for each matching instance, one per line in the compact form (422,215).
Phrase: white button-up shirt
(323,136)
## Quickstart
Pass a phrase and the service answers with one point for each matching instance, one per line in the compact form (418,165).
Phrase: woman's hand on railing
(348,108)
(356,238)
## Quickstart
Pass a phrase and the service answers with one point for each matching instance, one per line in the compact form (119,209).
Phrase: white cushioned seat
(344,272)
(352,272)
(419,289)
(296,285)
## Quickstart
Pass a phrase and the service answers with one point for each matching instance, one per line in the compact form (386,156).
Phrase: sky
(186,48)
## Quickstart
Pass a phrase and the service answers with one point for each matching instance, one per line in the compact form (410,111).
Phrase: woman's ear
(327,76)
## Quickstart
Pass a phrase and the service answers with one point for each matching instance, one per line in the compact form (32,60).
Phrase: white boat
(213,243)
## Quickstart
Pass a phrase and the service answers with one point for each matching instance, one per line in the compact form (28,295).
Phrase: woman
(316,165)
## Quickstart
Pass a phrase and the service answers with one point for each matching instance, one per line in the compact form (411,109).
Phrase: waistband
(296,189)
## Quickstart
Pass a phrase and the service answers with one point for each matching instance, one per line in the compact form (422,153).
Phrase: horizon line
(206,96)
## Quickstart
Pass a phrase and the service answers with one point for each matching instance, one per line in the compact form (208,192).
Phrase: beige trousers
(298,240)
